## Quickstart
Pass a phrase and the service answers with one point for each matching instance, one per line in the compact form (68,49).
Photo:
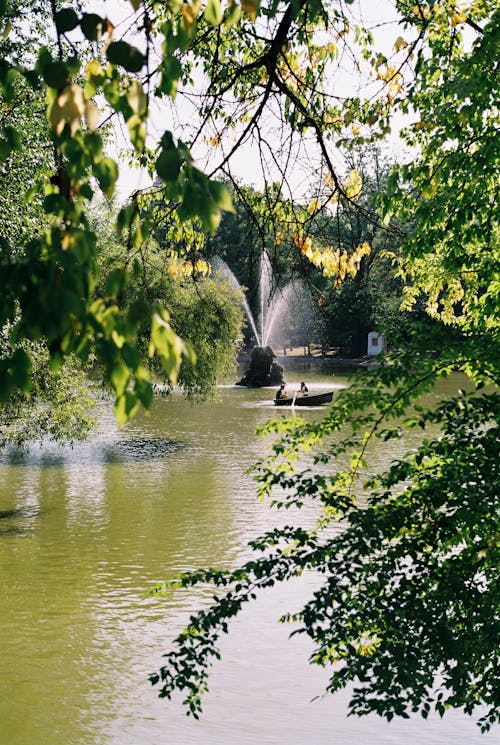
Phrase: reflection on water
(89,528)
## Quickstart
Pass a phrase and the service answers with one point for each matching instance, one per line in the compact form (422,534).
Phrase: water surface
(85,530)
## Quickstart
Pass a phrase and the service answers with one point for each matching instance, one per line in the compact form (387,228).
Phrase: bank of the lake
(85,530)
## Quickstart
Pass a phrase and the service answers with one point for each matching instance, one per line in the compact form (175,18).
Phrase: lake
(85,531)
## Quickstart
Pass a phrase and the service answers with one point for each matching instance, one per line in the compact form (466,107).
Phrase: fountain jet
(274,306)
(274,303)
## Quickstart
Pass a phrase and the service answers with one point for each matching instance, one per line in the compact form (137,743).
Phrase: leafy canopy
(408,586)
(406,608)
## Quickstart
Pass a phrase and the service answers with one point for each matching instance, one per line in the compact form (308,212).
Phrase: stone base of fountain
(263,371)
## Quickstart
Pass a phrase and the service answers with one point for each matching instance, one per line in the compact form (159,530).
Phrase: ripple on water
(100,450)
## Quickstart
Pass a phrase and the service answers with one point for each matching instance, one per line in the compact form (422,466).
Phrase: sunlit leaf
(126,406)
(189,13)
(91,115)
(221,196)
(68,107)
(119,376)
(213,12)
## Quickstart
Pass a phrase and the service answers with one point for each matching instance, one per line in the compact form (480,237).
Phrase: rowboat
(315,400)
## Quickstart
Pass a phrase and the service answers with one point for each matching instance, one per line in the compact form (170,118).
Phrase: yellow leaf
(251,8)
(136,98)
(422,125)
(94,69)
(458,18)
(190,15)
(315,258)
(400,43)
(68,107)
(353,184)
(314,205)
(202,267)
(91,115)
(421,12)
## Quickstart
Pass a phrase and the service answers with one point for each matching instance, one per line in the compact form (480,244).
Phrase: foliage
(272,74)
(365,293)
(204,312)
(407,587)
(207,314)
(453,253)
(60,405)
(408,590)
(211,54)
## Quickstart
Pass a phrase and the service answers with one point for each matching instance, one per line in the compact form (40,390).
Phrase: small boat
(314,400)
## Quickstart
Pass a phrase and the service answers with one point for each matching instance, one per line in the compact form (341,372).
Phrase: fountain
(274,304)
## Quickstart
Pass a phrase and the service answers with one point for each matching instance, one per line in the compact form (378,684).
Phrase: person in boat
(303,390)
(281,392)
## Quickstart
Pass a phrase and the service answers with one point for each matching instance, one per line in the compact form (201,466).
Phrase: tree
(205,312)
(60,405)
(409,582)
(409,587)
(206,52)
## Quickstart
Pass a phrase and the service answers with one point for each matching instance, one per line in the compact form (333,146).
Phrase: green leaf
(55,204)
(144,392)
(233,15)
(92,26)
(131,356)
(138,312)
(125,407)
(137,132)
(9,141)
(213,12)
(119,376)
(166,343)
(106,173)
(170,74)
(66,20)
(221,196)
(116,282)
(21,367)
(168,164)
(210,216)
(124,54)
(56,74)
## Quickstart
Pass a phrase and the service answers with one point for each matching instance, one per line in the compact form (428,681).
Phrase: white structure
(376,344)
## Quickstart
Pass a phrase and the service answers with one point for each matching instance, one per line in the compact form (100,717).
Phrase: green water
(85,530)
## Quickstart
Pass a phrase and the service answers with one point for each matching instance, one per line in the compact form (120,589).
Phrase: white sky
(379,15)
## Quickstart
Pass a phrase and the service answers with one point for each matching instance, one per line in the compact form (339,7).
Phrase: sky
(379,15)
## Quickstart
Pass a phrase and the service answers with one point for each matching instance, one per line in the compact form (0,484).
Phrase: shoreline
(299,359)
